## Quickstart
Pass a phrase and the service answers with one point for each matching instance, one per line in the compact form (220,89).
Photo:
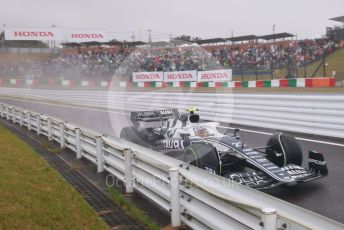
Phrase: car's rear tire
(284,150)
(204,156)
(133,135)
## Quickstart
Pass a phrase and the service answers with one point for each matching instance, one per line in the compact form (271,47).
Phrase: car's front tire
(283,150)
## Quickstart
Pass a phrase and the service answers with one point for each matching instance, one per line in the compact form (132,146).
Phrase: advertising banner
(215,75)
(85,35)
(59,34)
(44,34)
(180,76)
(148,76)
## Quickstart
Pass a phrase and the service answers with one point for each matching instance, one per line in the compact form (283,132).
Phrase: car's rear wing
(153,116)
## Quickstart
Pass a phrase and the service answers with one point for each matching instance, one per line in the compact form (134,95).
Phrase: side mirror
(235,132)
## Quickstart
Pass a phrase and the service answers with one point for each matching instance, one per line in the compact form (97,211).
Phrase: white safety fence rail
(193,196)
(319,114)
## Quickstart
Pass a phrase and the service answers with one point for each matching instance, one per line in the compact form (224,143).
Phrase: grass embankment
(34,196)
(334,60)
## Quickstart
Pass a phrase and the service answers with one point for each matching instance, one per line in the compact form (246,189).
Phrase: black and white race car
(184,136)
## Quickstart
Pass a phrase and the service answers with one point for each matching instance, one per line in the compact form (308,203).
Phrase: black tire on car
(133,135)
(204,156)
(284,150)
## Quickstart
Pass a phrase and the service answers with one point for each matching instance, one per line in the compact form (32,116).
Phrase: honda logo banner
(33,34)
(148,76)
(215,75)
(85,35)
(56,34)
(222,75)
(180,76)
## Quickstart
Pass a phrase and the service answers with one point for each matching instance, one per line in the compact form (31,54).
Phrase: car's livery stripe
(279,175)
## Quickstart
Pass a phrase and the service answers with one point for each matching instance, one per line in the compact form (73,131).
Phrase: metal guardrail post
(8,113)
(175,197)
(99,149)
(38,125)
(29,121)
(62,135)
(1,110)
(128,171)
(49,129)
(78,143)
(269,219)
(21,117)
(13,115)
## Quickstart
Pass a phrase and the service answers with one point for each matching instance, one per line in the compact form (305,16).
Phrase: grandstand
(247,59)
(251,57)
(336,32)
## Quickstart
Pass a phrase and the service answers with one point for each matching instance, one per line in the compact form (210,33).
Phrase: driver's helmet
(201,131)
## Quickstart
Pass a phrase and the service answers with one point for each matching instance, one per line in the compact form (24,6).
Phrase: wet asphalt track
(325,196)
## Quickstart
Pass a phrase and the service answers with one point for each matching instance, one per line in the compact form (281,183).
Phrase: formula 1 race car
(184,136)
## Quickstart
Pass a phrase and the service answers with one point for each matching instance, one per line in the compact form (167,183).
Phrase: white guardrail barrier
(193,196)
(319,114)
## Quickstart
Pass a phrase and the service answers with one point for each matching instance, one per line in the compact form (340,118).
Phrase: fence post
(128,171)
(269,219)
(62,135)
(5,111)
(242,73)
(175,197)
(8,113)
(28,121)
(38,124)
(256,72)
(99,148)
(324,66)
(49,129)
(13,115)
(21,117)
(1,110)
(77,143)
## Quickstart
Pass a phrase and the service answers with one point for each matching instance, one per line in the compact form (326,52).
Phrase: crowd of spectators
(64,66)
(297,53)
(105,64)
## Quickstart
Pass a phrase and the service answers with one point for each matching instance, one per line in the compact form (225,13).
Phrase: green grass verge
(131,210)
(34,196)
(335,63)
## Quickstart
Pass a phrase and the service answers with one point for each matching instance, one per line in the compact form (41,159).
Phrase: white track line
(114,112)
